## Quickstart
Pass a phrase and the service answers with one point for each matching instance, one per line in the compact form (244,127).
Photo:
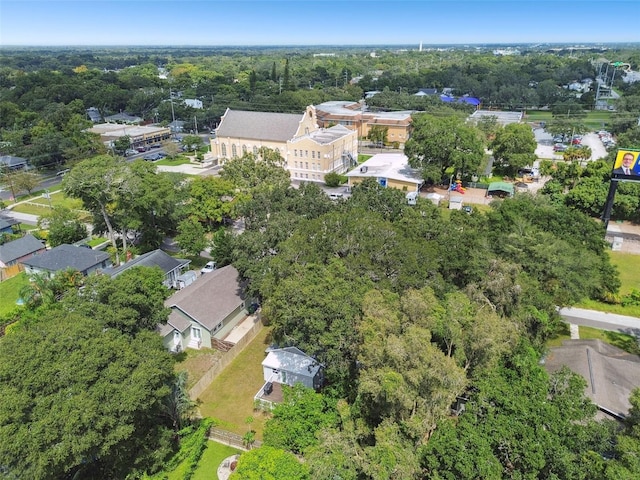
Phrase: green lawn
(211,458)
(628,343)
(229,398)
(628,266)
(171,162)
(595,120)
(9,292)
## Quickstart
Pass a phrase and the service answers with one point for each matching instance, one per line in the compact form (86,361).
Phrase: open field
(229,398)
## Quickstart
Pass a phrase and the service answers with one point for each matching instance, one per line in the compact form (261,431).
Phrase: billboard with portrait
(627,165)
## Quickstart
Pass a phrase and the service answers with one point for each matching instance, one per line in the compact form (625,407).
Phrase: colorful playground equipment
(457,187)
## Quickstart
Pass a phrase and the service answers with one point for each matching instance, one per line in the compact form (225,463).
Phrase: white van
(335,196)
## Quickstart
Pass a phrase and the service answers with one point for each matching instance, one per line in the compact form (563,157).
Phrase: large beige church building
(309,152)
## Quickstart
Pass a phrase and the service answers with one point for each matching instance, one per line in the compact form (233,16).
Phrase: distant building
(13,163)
(140,136)
(355,116)
(309,152)
(390,170)
(193,103)
(94,114)
(503,118)
(123,118)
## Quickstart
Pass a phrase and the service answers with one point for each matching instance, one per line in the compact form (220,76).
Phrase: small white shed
(291,365)
(455,202)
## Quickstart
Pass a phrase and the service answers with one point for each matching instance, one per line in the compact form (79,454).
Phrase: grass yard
(628,266)
(211,459)
(172,162)
(229,398)
(9,292)
(196,363)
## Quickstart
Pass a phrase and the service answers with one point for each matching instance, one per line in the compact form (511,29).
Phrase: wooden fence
(231,439)
(8,272)
(202,384)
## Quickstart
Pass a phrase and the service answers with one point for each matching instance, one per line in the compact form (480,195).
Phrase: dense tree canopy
(81,399)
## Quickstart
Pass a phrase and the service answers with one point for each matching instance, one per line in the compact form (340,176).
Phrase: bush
(332,179)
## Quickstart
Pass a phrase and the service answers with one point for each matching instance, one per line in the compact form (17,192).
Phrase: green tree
(122,144)
(378,135)
(131,303)
(191,236)
(297,420)
(64,226)
(191,142)
(212,199)
(332,179)
(23,180)
(97,183)
(441,143)
(514,147)
(268,463)
(82,400)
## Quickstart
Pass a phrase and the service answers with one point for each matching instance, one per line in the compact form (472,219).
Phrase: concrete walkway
(602,320)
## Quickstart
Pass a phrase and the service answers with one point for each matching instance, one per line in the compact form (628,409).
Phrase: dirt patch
(197,363)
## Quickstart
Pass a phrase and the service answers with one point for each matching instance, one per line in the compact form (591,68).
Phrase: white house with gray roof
(171,267)
(309,152)
(390,170)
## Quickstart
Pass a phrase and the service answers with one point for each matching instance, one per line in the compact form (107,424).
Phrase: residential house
(355,116)
(172,267)
(16,251)
(13,163)
(204,312)
(193,103)
(611,374)
(309,152)
(390,170)
(7,224)
(94,114)
(291,365)
(63,257)
(123,118)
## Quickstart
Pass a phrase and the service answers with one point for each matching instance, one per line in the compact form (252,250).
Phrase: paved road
(605,321)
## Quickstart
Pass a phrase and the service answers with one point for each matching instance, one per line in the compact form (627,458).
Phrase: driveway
(592,141)
(602,320)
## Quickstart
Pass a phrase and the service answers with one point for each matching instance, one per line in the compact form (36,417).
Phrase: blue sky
(311,22)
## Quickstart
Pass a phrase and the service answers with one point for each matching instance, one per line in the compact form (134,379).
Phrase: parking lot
(545,151)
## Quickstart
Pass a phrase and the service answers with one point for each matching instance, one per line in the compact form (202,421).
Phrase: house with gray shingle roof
(13,163)
(6,224)
(172,267)
(63,257)
(16,251)
(205,311)
(309,151)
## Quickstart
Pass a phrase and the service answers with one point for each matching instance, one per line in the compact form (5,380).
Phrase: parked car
(209,267)
(559,147)
(142,149)
(153,157)
(130,151)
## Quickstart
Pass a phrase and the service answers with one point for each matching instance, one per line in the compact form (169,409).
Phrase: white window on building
(306,165)
(224,149)
(295,153)
(255,150)
(313,154)
(244,150)
(234,150)
(295,164)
